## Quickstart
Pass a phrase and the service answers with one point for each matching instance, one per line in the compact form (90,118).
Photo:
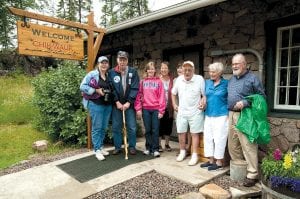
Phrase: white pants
(215,136)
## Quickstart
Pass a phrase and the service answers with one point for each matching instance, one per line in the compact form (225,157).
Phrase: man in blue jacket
(125,82)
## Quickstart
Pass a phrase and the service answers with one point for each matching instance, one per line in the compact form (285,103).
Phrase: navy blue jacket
(132,85)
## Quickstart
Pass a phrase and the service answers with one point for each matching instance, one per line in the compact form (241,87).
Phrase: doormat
(87,168)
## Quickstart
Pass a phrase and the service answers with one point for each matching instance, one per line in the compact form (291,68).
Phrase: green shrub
(58,98)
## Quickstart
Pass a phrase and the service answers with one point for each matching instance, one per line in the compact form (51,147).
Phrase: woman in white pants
(216,117)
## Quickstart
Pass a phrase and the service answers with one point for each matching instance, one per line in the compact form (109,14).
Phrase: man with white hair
(190,89)
(242,84)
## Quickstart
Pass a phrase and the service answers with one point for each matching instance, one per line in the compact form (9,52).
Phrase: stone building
(266,31)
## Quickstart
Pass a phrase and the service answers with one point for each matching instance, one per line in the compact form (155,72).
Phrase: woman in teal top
(216,117)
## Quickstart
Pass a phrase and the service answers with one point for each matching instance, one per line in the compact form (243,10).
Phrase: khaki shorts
(195,122)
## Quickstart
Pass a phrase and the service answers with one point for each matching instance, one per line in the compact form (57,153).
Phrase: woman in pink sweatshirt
(150,103)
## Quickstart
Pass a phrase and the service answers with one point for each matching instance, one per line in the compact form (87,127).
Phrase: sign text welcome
(41,40)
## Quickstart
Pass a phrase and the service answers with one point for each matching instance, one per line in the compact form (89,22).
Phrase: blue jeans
(100,115)
(151,123)
(117,127)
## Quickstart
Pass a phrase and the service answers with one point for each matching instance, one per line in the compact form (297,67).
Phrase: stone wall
(231,25)
(285,133)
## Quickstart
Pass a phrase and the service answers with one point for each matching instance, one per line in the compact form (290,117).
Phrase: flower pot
(277,193)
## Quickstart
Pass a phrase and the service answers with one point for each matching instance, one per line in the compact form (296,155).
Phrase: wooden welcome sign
(45,41)
(51,42)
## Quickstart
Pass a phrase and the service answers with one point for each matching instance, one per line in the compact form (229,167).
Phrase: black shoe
(160,149)
(132,151)
(168,148)
(213,167)
(116,151)
(249,182)
(206,164)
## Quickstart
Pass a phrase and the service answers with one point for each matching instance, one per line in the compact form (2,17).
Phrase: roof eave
(162,13)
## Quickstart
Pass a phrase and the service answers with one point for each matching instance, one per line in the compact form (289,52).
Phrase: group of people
(210,106)
(110,92)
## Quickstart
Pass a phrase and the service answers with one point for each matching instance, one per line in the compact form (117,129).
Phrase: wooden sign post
(89,28)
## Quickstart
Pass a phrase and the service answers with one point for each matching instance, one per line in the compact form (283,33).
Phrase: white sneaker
(193,161)
(146,152)
(156,154)
(99,155)
(180,157)
(104,152)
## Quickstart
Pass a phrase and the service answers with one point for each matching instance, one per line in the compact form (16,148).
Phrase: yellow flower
(288,160)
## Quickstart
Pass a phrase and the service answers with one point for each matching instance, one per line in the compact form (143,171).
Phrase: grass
(15,143)
(16,117)
(16,100)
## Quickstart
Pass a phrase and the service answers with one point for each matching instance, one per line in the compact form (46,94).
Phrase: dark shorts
(166,124)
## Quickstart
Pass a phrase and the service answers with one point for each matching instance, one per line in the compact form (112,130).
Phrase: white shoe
(99,155)
(193,161)
(180,157)
(104,152)
(146,152)
(156,154)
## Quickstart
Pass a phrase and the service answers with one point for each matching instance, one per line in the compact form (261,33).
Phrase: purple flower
(291,183)
(277,154)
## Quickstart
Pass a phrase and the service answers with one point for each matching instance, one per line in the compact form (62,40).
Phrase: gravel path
(39,159)
(226,182)
(148,185)
(159,187)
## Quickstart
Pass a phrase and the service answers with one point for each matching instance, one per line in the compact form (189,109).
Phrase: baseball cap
(188,63)
(123,54)
(102,58)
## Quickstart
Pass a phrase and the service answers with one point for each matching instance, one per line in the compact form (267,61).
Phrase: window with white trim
(287,74)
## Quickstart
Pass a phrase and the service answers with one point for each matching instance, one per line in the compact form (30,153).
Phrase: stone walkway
(48,181)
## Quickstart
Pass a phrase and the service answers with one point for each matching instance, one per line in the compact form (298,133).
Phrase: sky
(153,5)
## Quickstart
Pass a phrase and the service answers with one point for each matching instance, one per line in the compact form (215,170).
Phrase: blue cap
(102,58)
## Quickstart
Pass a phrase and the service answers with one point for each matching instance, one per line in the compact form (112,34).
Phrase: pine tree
(115,11)
(83,6)
(134,8)
(61,9)
(73,10)
(8,21)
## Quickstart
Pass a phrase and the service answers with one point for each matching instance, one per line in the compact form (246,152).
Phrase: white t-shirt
(189,94)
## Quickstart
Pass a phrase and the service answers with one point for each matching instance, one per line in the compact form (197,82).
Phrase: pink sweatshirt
(151,95)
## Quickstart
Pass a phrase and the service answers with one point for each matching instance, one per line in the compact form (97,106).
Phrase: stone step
(214,191)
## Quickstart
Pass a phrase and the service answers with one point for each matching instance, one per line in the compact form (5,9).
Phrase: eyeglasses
(235,64)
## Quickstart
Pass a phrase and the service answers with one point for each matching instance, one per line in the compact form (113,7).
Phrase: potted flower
(281,171)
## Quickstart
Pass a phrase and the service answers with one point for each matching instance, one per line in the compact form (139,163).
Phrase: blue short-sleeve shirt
(216,97)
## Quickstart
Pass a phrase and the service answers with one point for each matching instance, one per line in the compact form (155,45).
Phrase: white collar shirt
(189,94)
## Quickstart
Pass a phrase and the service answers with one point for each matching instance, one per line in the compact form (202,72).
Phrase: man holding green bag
(243,83)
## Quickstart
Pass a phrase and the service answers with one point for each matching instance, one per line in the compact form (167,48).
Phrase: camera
(106,94)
